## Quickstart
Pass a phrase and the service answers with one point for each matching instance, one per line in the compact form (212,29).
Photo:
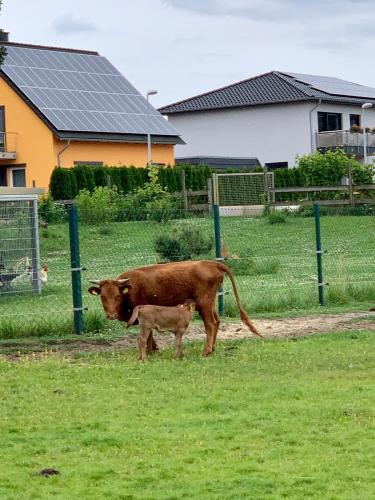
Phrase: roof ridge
(47,47)
(215,90)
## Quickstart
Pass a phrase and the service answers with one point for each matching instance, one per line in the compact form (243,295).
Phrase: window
(18,177)
(276,165)
(329,121)
(2,128)
(355,120)
(89,163)
(3,176)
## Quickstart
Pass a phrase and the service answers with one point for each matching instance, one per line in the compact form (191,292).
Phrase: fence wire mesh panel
(19,247)
(273,259)
(242,190)
(348,243)
(35,292)
(119,241)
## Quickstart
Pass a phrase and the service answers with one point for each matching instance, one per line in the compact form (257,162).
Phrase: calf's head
(112,294)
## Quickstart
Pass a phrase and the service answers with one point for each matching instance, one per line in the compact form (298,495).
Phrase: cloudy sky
(185,47)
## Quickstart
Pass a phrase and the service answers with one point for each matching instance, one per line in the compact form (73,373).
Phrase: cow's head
(112,294)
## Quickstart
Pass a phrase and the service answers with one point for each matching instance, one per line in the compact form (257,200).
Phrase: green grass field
(275,268)
(258,420)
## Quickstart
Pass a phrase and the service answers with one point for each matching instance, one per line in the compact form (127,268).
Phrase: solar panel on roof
(335,86)
(82,92)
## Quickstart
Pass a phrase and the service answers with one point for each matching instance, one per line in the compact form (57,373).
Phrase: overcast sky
(185,47)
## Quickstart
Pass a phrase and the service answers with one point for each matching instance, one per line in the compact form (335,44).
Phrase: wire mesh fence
(273,257)
(242,189)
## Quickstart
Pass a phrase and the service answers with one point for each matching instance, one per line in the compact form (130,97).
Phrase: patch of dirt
(269,328)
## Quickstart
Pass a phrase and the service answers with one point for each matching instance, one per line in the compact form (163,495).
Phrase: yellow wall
(113,153)
(37,147)
(33,139)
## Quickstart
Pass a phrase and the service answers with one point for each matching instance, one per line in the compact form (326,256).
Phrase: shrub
(85,179)
(97,207)
(188,242)
(49,211)
(63,185)
(319,169)
(276,217)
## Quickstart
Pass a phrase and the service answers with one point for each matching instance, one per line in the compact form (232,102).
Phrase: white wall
(271,133)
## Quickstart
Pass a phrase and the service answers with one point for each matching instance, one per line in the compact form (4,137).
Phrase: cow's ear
(94,290)
(124,288)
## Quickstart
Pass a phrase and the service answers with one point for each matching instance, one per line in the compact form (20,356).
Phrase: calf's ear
(94,290)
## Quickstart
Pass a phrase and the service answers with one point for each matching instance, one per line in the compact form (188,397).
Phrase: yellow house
(61,107)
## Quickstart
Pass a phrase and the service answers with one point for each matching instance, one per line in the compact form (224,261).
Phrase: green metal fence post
(76,270)
(216,212)
(319,254)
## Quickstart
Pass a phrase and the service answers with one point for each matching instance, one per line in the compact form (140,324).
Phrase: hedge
(66,183)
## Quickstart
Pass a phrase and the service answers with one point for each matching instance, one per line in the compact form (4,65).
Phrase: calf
(164,319)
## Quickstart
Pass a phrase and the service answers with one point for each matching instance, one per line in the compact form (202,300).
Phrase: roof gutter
(312,144)
(59,154)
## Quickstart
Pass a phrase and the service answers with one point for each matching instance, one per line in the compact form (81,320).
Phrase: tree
(3,50)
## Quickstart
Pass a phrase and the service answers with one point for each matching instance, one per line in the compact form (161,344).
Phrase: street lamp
(366,105)
(149,159)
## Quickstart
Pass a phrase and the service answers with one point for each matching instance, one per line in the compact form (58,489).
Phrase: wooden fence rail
(350,189)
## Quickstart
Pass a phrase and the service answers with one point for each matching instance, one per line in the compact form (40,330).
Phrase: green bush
(187,242)
(321,169)
(98,207)
(63,185)
(276,217)
(85,178)
(49,211)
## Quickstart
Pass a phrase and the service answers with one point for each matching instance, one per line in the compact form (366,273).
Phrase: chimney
(4,36)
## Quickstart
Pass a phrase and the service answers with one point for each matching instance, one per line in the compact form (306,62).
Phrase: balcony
(350,142)
(8,145)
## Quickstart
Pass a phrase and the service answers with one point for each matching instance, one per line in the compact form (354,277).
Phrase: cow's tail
(244,317)
(133,317)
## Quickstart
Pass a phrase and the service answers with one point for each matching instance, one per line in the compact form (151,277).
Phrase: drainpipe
(59,154)
(311,128)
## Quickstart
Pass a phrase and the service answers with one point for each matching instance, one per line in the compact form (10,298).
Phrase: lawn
(274,265)
(259,420)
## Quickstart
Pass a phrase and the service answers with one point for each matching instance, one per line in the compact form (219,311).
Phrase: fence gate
(19,245)
(242,193)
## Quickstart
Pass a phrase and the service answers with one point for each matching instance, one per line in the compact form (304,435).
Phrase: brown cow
(169,285)
(163,319)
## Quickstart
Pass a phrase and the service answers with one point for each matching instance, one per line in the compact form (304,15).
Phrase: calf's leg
(142,342)
(151,344)
(178,334)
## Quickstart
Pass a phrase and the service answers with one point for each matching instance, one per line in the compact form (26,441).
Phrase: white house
(274,117)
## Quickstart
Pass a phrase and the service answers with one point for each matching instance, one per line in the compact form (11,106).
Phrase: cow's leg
(178,334)
(151,344)
(142,342)
(205,312)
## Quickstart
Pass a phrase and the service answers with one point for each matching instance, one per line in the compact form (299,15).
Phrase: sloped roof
(80,94)
(275,87)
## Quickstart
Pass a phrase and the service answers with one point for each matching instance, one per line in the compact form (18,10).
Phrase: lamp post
(149,158)
(366,105)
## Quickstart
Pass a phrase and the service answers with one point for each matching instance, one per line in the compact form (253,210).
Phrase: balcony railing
(8,145)
(351,142)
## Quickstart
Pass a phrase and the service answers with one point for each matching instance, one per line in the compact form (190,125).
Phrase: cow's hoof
(207,353)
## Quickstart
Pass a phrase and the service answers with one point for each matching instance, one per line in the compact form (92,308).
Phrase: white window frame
(11,169)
